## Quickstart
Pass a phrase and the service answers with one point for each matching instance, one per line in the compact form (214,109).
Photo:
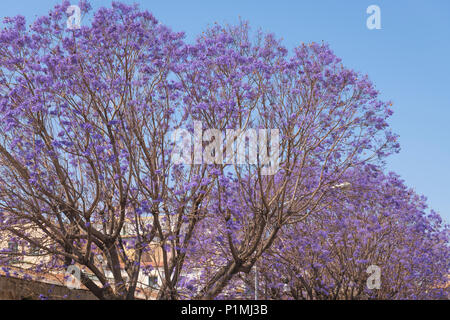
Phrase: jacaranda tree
(376,222)
(88,117)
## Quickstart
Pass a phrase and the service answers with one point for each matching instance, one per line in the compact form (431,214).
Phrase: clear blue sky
(408,60)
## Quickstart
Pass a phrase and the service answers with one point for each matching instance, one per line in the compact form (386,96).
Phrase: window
(91,276)
(13,248)
(34,250)
(153,281)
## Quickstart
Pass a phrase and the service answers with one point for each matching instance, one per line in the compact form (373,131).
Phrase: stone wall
(20,289)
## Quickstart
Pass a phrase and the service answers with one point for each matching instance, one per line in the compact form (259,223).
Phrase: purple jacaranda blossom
(85,157)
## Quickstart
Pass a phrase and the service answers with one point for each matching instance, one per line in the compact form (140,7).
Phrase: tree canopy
(86,145)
